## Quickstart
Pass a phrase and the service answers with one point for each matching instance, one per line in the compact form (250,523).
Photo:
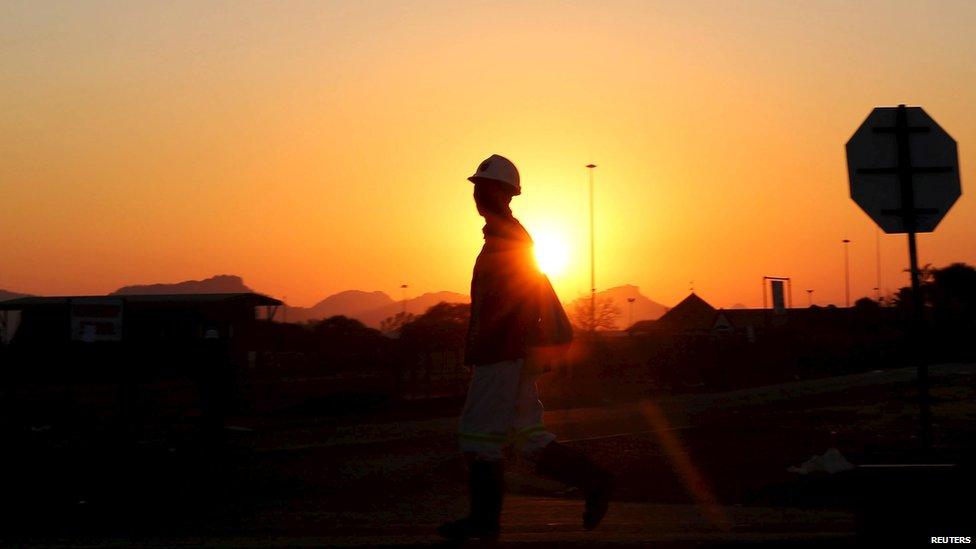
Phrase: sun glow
(551,253)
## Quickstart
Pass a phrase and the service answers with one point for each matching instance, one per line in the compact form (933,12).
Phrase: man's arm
(551,333)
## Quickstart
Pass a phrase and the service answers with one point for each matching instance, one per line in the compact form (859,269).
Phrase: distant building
(143,317)
(694,316)
(641,327)
(156,325)
(742,322)
(131,357)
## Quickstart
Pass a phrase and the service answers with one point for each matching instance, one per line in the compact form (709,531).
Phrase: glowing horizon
(324,146)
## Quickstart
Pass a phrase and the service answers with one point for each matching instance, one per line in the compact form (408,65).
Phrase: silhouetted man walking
(517,325)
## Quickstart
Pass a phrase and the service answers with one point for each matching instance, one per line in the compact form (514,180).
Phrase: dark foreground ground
(706,470)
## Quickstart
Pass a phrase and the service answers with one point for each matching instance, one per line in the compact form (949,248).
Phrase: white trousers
(503,408)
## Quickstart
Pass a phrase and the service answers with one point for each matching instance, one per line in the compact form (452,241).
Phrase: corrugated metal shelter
(108,318)
(54,333)
(133,356)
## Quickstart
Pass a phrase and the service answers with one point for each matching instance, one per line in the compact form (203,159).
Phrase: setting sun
(551,253)
(313,141)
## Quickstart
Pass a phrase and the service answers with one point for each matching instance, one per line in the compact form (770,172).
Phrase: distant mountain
(350,303)
(370,308)
(417,305)
(644,307)
(219,284)
(5,295)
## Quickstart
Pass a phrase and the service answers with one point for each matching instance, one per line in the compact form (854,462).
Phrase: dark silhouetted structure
(131,342)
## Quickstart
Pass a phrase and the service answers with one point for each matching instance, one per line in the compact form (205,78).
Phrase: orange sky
(322,146)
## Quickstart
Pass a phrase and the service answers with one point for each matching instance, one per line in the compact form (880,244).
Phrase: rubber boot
(487,488)
(568,466)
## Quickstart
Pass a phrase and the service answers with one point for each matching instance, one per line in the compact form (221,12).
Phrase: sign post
(904,173)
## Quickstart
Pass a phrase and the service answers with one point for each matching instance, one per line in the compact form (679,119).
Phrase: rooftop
(252,299)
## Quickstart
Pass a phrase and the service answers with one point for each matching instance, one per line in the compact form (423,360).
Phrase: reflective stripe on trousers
(502,408)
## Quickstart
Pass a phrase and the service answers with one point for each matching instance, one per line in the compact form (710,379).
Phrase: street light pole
(877,262)
(631,301)
(590,167)
(810,298)
(403,291)
(847,274)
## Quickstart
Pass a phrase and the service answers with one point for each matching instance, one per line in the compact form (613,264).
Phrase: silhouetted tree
(343,330)
(604,318)
(953,288)
(950,295)
(903,297)
(866,303)
(393,324)
(441,327)
(953,298)
(345,341)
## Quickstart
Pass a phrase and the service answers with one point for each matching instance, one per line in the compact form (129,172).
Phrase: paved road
(595,422)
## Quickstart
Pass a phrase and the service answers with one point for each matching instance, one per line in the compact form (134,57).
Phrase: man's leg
(483,431)
(568,466)
(556,461)
(531,435)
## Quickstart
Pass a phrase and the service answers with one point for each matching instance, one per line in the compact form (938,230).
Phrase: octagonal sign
(903,169)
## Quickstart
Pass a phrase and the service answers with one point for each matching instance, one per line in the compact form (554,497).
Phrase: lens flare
(551,253)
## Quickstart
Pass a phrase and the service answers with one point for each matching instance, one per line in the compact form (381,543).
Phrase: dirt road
(693,471)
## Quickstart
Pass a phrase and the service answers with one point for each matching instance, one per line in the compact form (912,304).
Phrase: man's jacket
(513,305)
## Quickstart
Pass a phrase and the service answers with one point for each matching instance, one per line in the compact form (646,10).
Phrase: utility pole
(590,168)
(918,145)
(905,169)
(847,273)
(877,262)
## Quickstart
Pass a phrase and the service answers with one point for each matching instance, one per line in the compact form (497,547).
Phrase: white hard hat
(498,168)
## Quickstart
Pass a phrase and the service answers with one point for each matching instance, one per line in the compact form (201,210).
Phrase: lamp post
(847,273)
(877,262)
(403,291)
(631,300)
(809,298)
(590,168)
